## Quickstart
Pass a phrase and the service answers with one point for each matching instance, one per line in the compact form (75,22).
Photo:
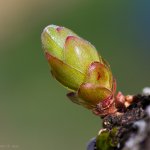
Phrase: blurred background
(34,111)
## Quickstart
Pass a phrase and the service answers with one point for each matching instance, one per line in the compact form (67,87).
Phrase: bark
(133,126)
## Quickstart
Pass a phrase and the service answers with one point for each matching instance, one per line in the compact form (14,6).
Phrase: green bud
(106,140)
(76,64)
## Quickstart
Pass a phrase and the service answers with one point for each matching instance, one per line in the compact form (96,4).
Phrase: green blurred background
(34,111)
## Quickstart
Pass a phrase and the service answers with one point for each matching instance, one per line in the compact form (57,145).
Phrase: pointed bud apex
(53,39)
